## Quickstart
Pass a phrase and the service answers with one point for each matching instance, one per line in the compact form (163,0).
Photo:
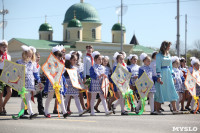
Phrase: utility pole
(178,34)
(186,37)
(3,12)
(121,26)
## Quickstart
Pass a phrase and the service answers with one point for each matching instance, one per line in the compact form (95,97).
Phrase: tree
(197,45)
(181,48)
(194,53)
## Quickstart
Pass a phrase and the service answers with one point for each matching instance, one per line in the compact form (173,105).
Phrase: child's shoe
(23,117)
(108,113)
(112,108)
(65,115)
(84,111)
(33,116)
(124,113)
(48,116)
(187,108)
(92,114)
(154,113)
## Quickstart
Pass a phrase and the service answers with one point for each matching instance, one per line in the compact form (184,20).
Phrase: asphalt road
(100,123)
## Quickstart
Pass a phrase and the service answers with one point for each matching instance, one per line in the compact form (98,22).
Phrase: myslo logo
(185,129)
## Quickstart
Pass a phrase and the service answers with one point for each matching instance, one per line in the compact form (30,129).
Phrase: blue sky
(150,21)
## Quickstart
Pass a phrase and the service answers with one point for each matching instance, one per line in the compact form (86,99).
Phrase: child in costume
(97,72)
(4,56)
(62,60)
(189,98)
(152,76)
(186,94)
(108,72)
(31,74)
(195,64)
(132,65)
(179,79)
(124,56)
(70,62)
(119,58)
(80,68)
(49,88)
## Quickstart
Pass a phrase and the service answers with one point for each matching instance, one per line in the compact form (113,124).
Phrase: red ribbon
(91,58)
(38,65)
(3,56)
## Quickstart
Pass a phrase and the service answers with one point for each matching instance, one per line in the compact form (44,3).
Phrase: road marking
(75,120)
(4,117)
(70,120)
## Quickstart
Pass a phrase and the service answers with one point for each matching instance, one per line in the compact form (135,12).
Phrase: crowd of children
(96,67)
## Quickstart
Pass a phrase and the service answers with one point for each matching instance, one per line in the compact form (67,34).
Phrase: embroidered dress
(197,90)
(134,70)
(95,71)
(149,72)
(80,69)
(178,77)
(107,71)
(31,73)
(184,71)
(49,87)
(153,66)
(165,91)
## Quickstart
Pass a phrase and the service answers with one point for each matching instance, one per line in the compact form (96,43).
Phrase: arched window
(113,37)
(93,33)
(67,35)
(49,37)
(40,36)
(78,34)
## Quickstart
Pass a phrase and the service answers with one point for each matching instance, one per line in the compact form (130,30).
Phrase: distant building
(81,27)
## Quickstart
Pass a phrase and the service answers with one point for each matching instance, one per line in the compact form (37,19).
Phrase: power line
(154,3)
(33,17)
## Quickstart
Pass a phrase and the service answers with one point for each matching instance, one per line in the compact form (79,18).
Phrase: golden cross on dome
(74,14)
(45,18)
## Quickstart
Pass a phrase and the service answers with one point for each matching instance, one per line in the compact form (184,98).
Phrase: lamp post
(178,34)
(186,37)
(121,26)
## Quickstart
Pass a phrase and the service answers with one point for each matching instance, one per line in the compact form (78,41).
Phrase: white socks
(151,101)
(77,102)
(93,98)
(47,103)
(48,100)
(28,100)
(120,101)
(178,101)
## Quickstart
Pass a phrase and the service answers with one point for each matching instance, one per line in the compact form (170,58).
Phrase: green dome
(83,11)
(45,27)
(74,23)
(117,27)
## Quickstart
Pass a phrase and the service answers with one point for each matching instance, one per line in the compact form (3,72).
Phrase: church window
(93,33)
(78,34)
